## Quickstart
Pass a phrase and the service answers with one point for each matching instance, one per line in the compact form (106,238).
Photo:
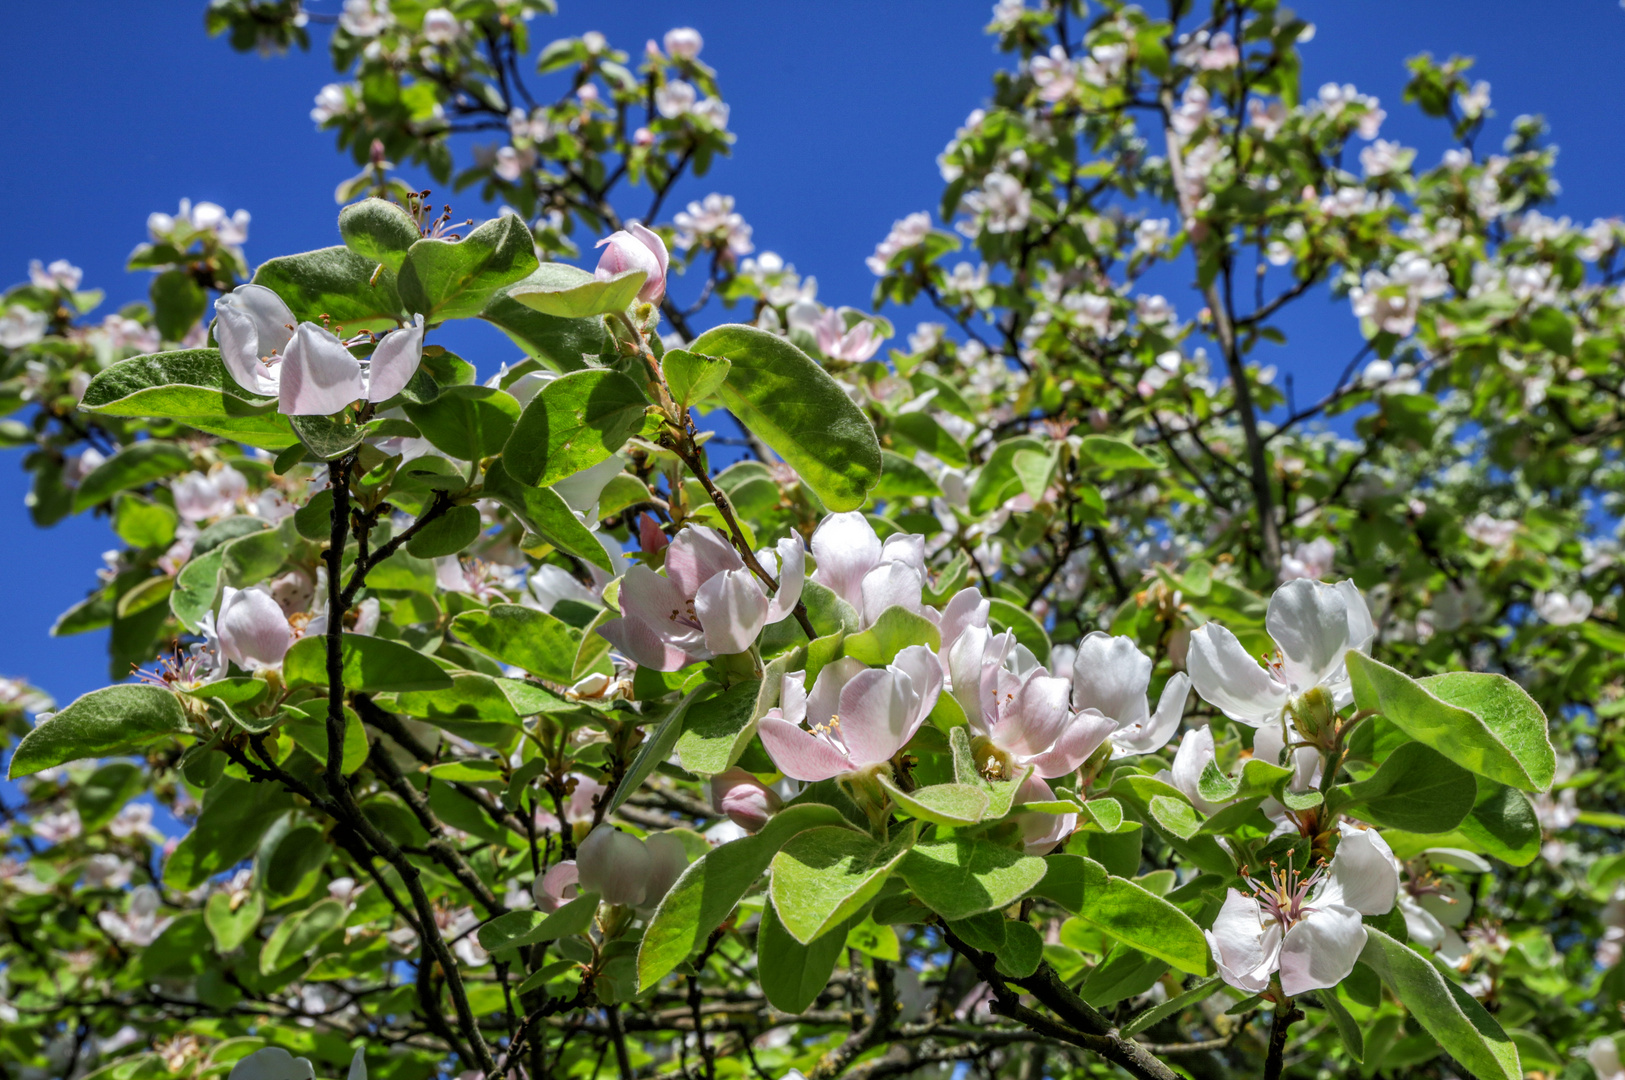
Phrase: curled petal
(1112,675)
(732,610)
(966,608)
(1245,947)
(793,696)
(825,699)
(696,555)
(846,548)
(395,361)
(1227,678)
(319,376)
(1082,737)
(251,324)
(1364,874)
(792,575)
(1153,735)
(1194,754)
(1040,833)
(1320,950)
(1033,712)
(557,887)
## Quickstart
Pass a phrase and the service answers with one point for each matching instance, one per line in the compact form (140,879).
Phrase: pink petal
(696,555)
(319,376)
(799,753)
(395,361)
(732,609)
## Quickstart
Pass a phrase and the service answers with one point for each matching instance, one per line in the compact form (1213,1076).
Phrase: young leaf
(717,729)
(964,876)
(466,422)
(103,723)
(527,638)
(545,513)
(692,378)
(371,664)
(793,974)
(1415,789)
(379,230)
(1139,919)
(569,292)
(823,877)
(338,283)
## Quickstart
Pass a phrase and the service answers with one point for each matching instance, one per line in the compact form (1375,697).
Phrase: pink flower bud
(557,887)
(650,538)
(636,248)
(746,800)
(615,865)
(668,858)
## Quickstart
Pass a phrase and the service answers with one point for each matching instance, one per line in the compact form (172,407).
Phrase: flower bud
(1314,714)
(745,800)
(668,858)
(253,631)
(557,887)
(615,865)
(636,248)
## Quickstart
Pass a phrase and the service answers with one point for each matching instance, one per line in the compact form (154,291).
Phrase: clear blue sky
(116,109)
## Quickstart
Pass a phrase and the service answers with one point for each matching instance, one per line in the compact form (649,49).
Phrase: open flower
(707,604)
(304,366)
(1603,1056)
(622,869)
(254,633)
(1306,927)
(635,248)
(856,716)
(838,343)
(1019,711)
(1111,677)
(1314,626)
(870,575)
(140,925)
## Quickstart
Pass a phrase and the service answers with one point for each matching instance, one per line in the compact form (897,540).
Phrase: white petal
(792,575)
(272,1063)
(358,1065)
(1112,675)
(732,609)
(1155,733)
(889,585)
(1194,754)
(615,865)
(846,548)
(1243,946)
(395,361)
(254,633)
(1603,1056)
(1230,680)
(1320,951)
(1310,622)
(965,608)
(319,376)
(1363,873)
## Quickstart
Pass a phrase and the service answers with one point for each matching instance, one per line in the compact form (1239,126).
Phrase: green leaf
(713,884)
(371,664)
(517,929)
(929,435)
(1553,329)
(1483,722)
(1258,777)
(1503,822)
(192,385)
(544,512)
(142,523)
(895,630)
(286,860)
(1173,1006)
(178,302)
(378,230)
(103,723)
(717,729)
(234,815)
(692,378)
(338,283)
(953,805)
(466,422)
(1035,469)
(963,876)
(1142,920)
(299,934)
(823,877)
(997,480)
(793,974)
(1015,619)
(542,644)
(1109,453)
(1347,1028)
(900,478)
(1415,789)
(783,397)
(328,437)
(446,279)
(1446,1011)
(575,422)
(475,708)
(1175,815)
(570,292)
(230,928)
(104,794)
(135,465)
(558,342)
(447,534)
(1016,947)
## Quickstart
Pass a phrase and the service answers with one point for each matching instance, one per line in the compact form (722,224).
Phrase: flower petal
(1153,735)
(319,376)
(1230,680)
(793,696)
(889,585)
(846,548)
(654,631)
(1194,753)
(877,707)
(615,865)
(1033,712)
(254,633)
(1244,948)
(792,575)
(732,609)
(395,361)
(966,608)
(1082,737)
(1364,873)
(252,323)
(1112,675)
(824,700)
(1310,622)
(799,753)
(1320,950)
(696,555)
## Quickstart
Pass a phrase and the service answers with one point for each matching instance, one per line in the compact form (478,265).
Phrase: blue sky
(118,109)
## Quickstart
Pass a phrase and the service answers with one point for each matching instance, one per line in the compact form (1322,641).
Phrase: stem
(618,1036)
(1285,1014)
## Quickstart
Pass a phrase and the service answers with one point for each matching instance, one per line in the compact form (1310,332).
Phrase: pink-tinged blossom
(1312,560)
(304,366)
(906,233)
(140,924)
(1042,833)
(61,275)
(1603,1057)
(838,343)
(134,822)
(675,98)
(684,43)
(57,827)
(1490,531)
(870,575)
(635,248)
(713,219)
(440,27)
(202,496)
(1306,928)
(1055,75)
(557,887)
(707,604)
(856,716)
(745,800)
(1018,710)
(254,633)
(1314,626)
(1002,205)
(627,871)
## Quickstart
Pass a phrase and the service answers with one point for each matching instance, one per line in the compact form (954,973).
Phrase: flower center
(1285,895)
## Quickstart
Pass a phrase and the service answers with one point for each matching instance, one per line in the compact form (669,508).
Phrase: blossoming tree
(1055,696)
